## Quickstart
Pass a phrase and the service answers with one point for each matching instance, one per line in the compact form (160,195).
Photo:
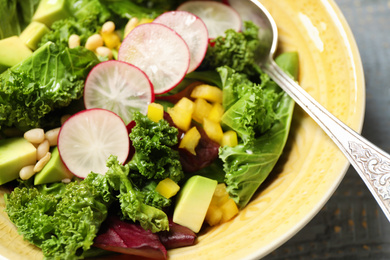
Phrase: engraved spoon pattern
(372,163)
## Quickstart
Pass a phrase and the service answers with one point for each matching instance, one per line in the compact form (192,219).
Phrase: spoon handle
(372,163)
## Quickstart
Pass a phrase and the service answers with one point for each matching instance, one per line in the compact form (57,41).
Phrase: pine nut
(108,27)
(52,136)
(131,24)
(104,52)
(27,172)
(42,149)
(66,180)
(74,41)
(42,162)
(35,136)
(93,42)
(64,118)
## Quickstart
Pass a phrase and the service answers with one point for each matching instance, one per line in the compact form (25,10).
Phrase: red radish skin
(119,87)
(160,52)
(193,31)
(217,16)
(88,138)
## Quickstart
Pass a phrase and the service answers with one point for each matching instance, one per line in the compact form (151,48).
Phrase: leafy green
(140,8)
(249,106)
(88,10)
(152,197)
(15,15)
(247,165)
(154,157)
(63,220)
(236,50)
(131,201)
(51,78)
(63,29)
(128,9)
(158,4)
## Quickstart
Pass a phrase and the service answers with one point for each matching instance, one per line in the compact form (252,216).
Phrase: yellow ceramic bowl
(311,167)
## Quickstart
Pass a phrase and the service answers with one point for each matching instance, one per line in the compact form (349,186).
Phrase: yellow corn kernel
(220,196)
(201,110)
(213,215)
(181,113)
(213,130)
(229,210)
(111,39)
(210,93)
(229,138)
(155,112)
(167,188)
(216,112)
(190,140)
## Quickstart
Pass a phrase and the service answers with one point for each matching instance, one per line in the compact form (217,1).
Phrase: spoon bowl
(370,162)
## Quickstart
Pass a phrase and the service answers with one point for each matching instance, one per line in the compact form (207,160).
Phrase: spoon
(372,163)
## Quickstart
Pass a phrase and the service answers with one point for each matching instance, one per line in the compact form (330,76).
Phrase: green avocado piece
(12,51)
(193,201)
(54,170)
(49,11)
(15,153)
(33,34)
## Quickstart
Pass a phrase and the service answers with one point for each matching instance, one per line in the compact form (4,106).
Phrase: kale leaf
(250,107)
(64,220)
(248,164)
(152,197)
(154,156)
(63,29)
(236,50)
(131,201)
(51,78)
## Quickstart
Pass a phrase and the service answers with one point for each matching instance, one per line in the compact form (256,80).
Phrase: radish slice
(218,17)
(119,87)
(160,52)
(193,31)
(88,138)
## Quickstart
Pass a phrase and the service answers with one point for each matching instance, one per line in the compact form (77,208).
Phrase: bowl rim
(343,27)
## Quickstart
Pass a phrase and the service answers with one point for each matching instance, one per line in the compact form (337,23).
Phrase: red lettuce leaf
(127,238)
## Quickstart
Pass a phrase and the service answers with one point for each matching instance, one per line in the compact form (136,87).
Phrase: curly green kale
(249,163)
(154,156)
(62,221)
(236,50)
(131,199)
(250,108)
(49,79)
(63,29)
(152,197)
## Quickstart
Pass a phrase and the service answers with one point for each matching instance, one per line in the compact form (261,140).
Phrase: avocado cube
(49,11)
(12,51)
(193,202)
(15,153)
(54,170)
(33,34)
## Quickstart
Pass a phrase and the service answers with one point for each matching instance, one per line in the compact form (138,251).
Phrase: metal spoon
(372,163)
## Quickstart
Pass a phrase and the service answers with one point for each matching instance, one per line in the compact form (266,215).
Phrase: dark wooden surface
(351,225)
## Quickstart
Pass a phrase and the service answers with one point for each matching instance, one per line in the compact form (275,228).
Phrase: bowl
(311,166)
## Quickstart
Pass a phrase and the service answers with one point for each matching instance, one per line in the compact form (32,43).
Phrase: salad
(128,126)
